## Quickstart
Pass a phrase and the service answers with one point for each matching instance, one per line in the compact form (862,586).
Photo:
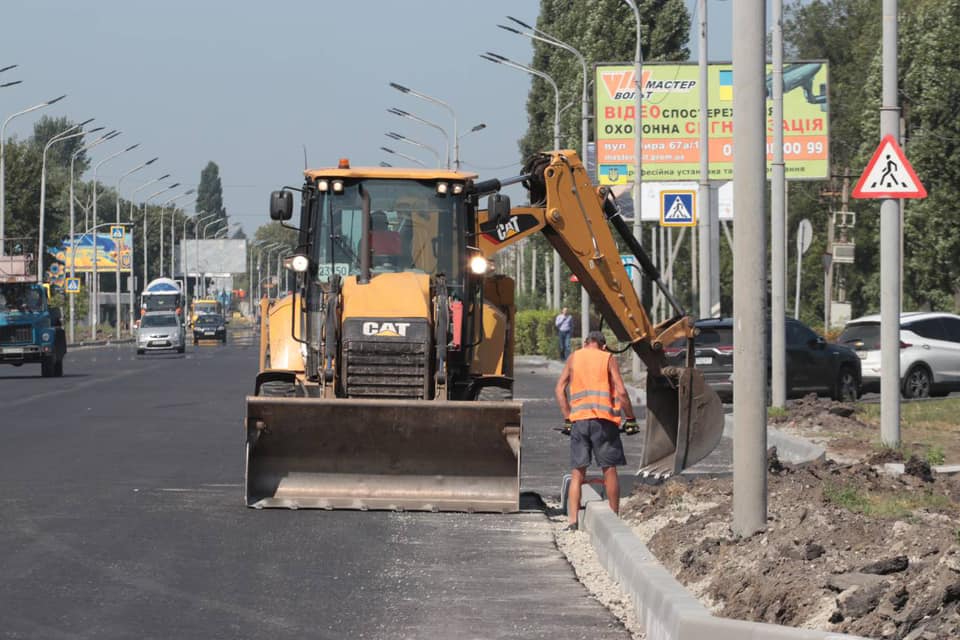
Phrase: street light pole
(73,243)
(403,155)
(117,270)
(638,158)
(95,297)
(173,229)
(143,209)
(410,116)
(3,171)
(402,138)
(498,59)
(198,218)
(63,135)
(437,101)
(536,34)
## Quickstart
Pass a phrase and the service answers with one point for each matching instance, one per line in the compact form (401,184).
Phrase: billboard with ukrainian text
(670,118)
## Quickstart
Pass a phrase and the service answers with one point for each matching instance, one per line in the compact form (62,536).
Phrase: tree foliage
(848,34)
(603,31)
(210,195)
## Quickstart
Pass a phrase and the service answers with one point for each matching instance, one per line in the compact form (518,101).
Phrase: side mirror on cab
(281,205)
(498,208)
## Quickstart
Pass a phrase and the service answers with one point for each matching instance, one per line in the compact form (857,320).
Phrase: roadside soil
(847,547)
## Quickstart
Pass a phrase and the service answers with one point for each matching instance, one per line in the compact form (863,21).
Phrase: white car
(160,331)
(929,352)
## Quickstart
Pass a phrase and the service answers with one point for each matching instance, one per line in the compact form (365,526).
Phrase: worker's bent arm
(620,389)
(561,391)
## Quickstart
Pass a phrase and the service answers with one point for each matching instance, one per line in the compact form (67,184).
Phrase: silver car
(160,331)
(929,352)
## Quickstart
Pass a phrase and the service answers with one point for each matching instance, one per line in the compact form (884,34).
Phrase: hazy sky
(247,84)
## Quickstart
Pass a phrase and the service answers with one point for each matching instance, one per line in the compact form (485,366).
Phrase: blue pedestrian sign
(678,208)
(73,285)
(116,232)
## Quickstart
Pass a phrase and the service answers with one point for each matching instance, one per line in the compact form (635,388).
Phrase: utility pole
(890,231)
(749,269)
(778,226)
(703,194)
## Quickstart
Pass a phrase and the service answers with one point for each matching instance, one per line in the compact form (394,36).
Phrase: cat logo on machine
(498,233)
(385,329)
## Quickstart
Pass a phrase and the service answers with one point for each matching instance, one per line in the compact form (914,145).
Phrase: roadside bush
(536,333)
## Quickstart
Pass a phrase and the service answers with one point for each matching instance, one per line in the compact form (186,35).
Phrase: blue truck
(30,329)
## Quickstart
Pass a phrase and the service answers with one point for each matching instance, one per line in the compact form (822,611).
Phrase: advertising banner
(671,122)
(108,251)
(213,258)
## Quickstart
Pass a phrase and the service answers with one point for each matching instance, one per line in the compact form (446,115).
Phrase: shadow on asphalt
(32,377)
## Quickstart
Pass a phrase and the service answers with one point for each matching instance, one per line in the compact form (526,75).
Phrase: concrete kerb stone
(98,343)
(666,609)
(790,449)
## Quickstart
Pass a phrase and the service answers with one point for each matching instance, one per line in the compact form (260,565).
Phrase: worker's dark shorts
(596,438)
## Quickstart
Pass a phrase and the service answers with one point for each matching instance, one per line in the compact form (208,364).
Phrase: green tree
(210,195)
(848,34)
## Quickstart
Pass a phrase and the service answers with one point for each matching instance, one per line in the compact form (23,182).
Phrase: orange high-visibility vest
(591,395)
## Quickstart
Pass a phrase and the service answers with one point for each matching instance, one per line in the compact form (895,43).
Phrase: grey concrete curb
(664,607)
(790,449)
(99,343)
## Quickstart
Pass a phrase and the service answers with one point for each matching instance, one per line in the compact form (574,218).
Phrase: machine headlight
(299,263)
(45,336)
(457,189)
(338,186)
(478,265)
(442,188)
(322,186)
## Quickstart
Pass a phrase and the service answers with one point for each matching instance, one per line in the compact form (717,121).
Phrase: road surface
(123,517)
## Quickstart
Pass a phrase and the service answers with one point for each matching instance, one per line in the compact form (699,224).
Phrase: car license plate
(157,343)
(704,360)
(13,350)
(209,333)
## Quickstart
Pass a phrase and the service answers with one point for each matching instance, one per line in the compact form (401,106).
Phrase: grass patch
(777,412)
(885,505)
(934,425)
(927,414)
(935,455)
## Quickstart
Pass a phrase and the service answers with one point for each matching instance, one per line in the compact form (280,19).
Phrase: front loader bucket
(684,421)
(417,455)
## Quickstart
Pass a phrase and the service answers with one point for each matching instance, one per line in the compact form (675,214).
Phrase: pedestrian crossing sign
(73,285)
(678,208)
(889,174)
(116,232)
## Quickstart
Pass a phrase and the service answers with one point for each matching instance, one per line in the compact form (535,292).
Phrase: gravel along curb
(666,610)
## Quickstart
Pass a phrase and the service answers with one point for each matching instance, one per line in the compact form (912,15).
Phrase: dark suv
(813,365)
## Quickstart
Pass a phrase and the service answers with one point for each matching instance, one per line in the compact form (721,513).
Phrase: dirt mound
(846,549)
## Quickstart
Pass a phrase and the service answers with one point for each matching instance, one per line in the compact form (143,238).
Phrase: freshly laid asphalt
(123,517)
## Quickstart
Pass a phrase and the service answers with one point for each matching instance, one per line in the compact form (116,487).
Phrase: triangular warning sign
(889,174)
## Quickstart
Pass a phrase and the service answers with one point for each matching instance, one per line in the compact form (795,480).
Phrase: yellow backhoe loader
(386,381)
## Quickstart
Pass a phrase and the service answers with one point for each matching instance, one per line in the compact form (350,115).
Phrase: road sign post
(678,208)
(804,238)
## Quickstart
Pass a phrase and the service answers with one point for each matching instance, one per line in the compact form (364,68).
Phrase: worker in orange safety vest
(591,415)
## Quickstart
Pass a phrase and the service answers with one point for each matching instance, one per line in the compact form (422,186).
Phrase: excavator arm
(684,415)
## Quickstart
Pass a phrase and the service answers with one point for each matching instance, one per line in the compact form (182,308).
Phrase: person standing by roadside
(564,323)
(591,419)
